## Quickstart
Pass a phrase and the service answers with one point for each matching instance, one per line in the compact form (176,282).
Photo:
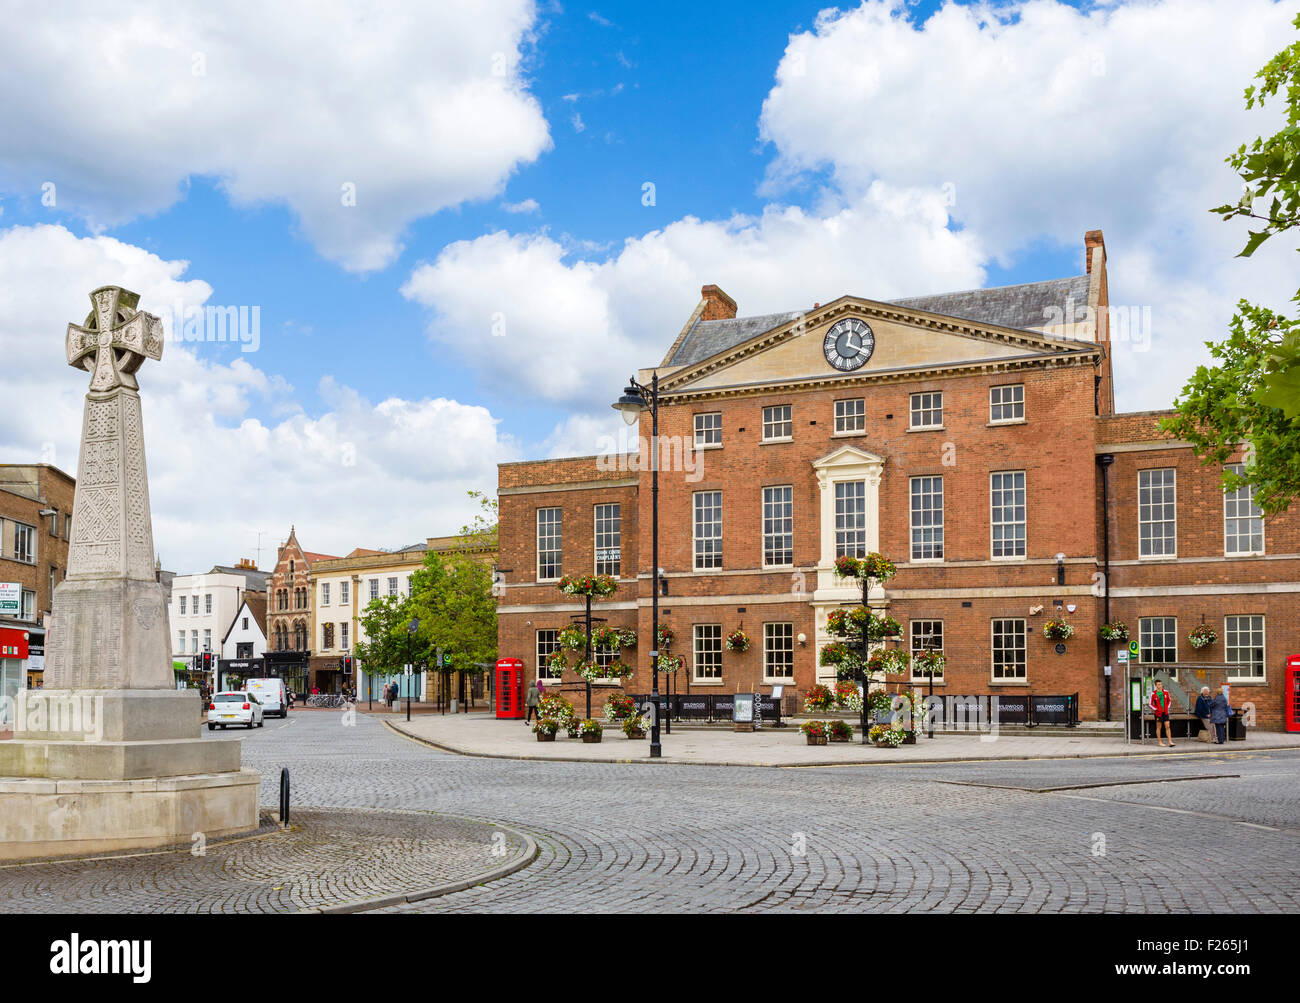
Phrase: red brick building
(290,623)
(971,438)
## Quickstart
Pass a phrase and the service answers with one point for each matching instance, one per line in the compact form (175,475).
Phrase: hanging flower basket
(1113,631)
(845,622)
(835,653)
(817,732)
(848,697)
(881,627)
(665,636)
(890,661)
(588,585)
(1058,630)
(573,638)
(928,663)
(556,709)
(738,641)
(627,638)
(606,637)
(1202,636)
(620,707)
(873,565)
(669,663)
(556,664)
(818,699)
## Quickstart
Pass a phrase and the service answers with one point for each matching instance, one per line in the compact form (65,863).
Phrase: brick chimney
(1091,241)
(717,304)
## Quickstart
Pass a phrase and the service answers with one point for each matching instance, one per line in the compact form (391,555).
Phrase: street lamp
(637,398)
(411,628)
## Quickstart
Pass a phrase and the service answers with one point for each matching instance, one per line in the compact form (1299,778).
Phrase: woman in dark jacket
(1219,714)
(1203,712)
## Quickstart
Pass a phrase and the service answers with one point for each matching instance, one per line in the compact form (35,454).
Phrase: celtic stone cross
(115,339)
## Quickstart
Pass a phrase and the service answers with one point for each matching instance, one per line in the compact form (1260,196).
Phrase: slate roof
(709,337)
(1020,307)
(253,579)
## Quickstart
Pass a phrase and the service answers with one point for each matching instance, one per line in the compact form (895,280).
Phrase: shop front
(291,666)
(14,655)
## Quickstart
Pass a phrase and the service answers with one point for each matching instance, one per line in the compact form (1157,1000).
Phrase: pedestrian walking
(531,701)
(1160,704)
(1219,714)
(1203,713)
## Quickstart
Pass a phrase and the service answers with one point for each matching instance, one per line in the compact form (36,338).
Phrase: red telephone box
(1291,695)
(510,687)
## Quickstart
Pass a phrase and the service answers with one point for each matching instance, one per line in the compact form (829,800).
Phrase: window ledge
(1006,421)
(768,442)
(1008,560)
(925,428)
(924,684)
(706,682)
(778,681)
(931,561)
(1251,553)
(707,445)
(1158,557)
(1009,682)
(848,435)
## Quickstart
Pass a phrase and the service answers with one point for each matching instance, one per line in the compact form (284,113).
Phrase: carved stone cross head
(115,339)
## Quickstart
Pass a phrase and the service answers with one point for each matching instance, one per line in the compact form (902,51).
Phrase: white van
(272,695)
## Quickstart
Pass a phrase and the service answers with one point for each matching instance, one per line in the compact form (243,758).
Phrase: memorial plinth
(109,754)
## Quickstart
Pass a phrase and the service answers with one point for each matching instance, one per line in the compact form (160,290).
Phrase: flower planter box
(816,739)
(591,739)
(842,738)
(909,738)
(544,737)
(635,734)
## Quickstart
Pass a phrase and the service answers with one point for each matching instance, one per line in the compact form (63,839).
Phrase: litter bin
(1236,728)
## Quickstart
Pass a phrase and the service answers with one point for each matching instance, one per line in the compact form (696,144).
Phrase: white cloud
(527,205)
(572,329)
(1044,121)
(575,120)
(360,473)
(420,107)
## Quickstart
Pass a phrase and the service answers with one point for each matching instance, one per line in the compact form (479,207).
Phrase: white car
(234,707)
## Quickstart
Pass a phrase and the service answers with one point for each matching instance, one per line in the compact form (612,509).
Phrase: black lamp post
(866,672)
(411,628)
(637,398)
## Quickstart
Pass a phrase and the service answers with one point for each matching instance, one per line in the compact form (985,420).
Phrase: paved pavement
(988,836)
(483,735)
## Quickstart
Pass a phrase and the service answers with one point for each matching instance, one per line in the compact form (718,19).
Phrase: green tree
(383,624)
(1252,395)
(452,597)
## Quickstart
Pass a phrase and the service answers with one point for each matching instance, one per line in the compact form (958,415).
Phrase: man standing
(1160,701)
(1219,714)
(1203,712)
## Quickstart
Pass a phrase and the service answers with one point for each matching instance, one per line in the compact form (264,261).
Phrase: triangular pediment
(847,456)
(907,341)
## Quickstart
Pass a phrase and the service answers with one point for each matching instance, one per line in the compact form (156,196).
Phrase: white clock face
(849,344)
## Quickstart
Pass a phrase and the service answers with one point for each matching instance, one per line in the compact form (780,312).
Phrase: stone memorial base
(111,735)
(53,818)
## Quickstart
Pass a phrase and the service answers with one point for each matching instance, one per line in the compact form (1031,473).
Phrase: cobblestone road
(953,838)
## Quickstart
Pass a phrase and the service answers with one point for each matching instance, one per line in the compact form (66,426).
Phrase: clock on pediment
(849,344)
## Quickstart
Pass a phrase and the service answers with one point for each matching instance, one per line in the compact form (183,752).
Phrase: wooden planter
(816,739)
(841,738)
(909,738)
(543,736)
(591,739)
(635,733)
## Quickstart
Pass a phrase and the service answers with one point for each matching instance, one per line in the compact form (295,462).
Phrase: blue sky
(760,127)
